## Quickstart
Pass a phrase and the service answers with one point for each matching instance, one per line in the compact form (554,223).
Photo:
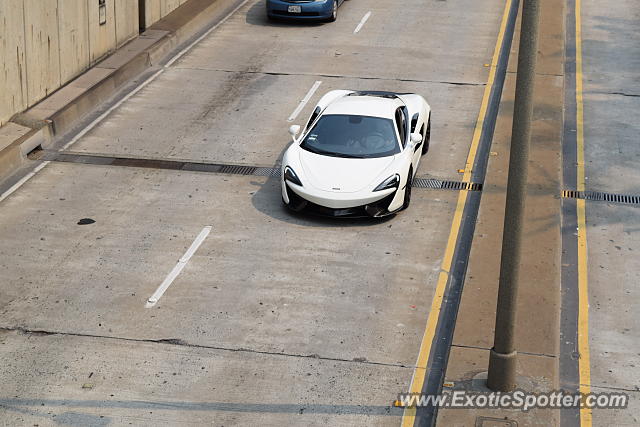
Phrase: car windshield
(350,136)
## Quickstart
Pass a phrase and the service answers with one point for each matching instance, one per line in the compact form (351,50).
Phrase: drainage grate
(147,163)
(272,172)
(202,167)
(452,185)
(426,183)
(163,164)
(446,185)
(602,197)
(237,169)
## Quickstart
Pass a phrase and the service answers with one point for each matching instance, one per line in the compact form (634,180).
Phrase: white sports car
(358,154)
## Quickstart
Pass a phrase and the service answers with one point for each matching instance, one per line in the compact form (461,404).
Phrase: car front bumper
(309,9)
(331,204)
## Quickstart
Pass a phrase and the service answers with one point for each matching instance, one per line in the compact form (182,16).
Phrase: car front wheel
(334,12)
(426,137)
(407,190)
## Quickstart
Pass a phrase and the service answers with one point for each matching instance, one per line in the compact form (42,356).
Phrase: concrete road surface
(270,318)
(276,319)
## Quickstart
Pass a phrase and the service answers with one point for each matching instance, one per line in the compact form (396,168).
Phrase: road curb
(64,108)
(447,319)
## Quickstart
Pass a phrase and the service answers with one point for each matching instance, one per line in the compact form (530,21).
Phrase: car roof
(365,105)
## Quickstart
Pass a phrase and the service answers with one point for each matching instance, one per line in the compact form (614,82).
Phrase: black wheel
(407,191)
(426,137)
(334,13)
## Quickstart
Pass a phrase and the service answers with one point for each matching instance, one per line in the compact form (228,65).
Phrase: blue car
(326,10)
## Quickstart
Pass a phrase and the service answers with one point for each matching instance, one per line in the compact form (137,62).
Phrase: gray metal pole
(502,361)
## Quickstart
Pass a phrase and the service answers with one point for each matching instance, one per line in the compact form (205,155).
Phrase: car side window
(313,117)
(414,122)
(402,126)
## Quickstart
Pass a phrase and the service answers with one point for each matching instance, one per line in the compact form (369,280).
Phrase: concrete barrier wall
(158,9)
(74,37)
(13,79)
(42,48)
(46,43)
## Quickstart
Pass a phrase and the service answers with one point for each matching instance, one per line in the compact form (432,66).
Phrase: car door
(418,126)
(402,127)
(412,151)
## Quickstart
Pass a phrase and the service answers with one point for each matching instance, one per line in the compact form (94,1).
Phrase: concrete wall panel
(158,9)
(73,19)
(169,5)
(102,38)
(13,81)
(153,11)
(127,20)
(42,48)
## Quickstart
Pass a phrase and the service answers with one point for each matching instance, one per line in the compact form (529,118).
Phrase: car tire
(334,13)
(426,137)
(407,190)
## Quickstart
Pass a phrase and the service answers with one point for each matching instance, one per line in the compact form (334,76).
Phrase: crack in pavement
(631,95)
(14,403)
(607,387)
(182,343)
(528,353)
(339,76)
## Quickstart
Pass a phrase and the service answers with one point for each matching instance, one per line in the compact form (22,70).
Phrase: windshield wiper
(329,153)
(349,156)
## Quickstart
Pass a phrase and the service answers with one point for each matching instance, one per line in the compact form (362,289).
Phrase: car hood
(343,175)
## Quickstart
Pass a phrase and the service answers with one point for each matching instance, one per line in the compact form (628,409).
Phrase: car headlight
(392,182)
(290,175)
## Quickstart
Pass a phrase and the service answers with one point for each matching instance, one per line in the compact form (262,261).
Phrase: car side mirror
(416,138)
(294,130)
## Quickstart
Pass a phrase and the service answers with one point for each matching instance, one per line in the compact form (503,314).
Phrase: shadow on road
(268,200)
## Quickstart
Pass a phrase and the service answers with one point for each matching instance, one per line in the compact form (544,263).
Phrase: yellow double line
(420,371)
(584,364)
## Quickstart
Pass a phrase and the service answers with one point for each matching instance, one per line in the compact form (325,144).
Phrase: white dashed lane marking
(304,101)
(182,262)
(362,22)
